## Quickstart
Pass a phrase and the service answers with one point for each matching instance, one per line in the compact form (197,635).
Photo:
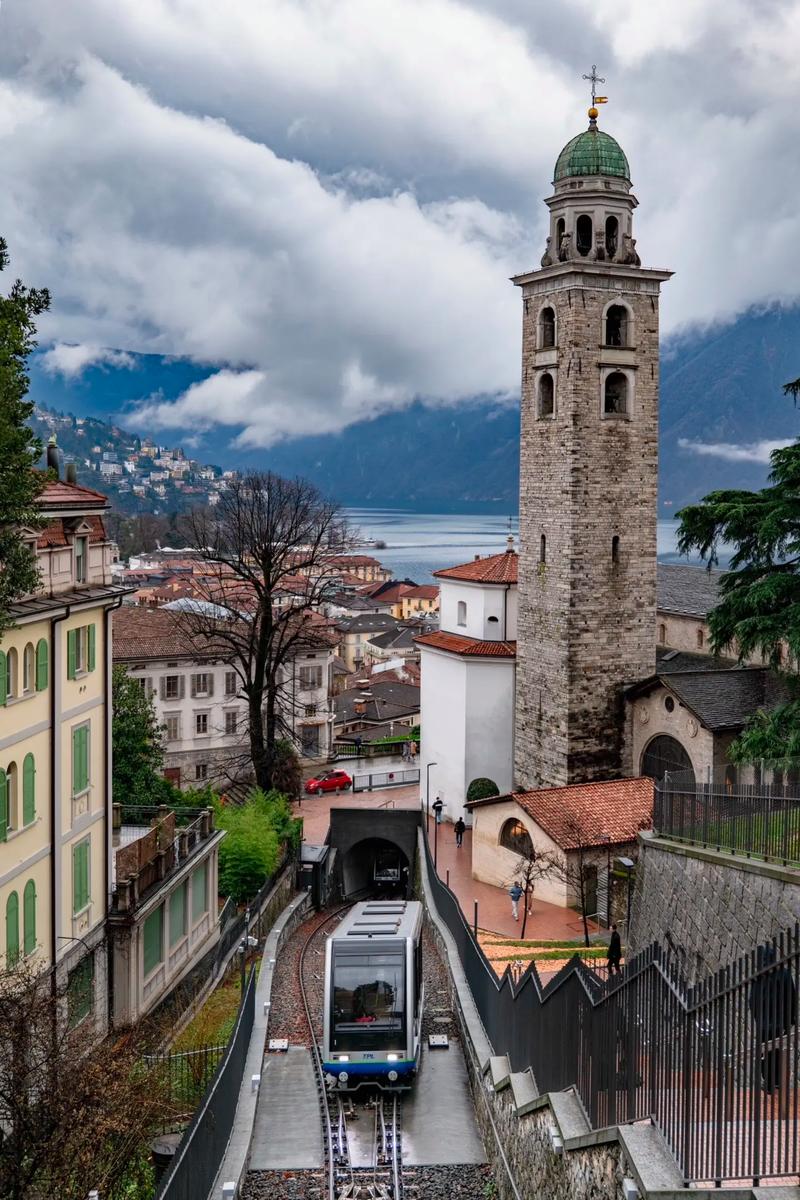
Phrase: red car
(329,781)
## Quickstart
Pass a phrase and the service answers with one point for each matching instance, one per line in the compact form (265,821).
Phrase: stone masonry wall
(708,906)
(586,623)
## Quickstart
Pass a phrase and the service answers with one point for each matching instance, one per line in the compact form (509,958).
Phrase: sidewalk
(546,921)
(316,810)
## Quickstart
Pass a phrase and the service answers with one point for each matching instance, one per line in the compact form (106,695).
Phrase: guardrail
(200,1154)
(714,1065)
(385,779)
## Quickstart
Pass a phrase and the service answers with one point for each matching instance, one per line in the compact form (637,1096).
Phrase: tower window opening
(561,229)
(700,639)
(612,236)
(617,325)
(615,549)
(461,613)
(542,550)
(662,635)
(583,235)
(615,395)
(547,329)
(547,398)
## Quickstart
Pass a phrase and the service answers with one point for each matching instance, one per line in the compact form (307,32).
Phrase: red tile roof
(57,493)
(454,643)
(425,591)
(497,568)
(588,814)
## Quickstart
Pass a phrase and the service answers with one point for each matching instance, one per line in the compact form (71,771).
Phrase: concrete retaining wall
(709,907)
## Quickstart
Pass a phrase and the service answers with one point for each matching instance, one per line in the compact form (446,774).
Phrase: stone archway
(664,754)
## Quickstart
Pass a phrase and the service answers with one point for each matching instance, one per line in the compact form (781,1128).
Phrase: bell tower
(588,472)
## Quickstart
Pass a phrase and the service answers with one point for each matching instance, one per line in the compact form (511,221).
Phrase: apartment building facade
(55,762)
(198,699)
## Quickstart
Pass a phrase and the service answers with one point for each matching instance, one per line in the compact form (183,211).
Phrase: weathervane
(594,79)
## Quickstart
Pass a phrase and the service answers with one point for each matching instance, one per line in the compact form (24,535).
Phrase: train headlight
(343,1058)
(343,1077)
(393,1058)
(393,1076)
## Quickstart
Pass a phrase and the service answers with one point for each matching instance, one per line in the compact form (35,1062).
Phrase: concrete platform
(439,1126)
(288,1128)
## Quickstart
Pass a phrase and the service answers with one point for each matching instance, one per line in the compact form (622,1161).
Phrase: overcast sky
(324,198)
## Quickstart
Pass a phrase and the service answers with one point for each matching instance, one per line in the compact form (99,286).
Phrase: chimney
(71,474)
(52,455)
(510,543)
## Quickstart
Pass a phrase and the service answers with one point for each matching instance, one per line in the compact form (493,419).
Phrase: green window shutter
(41,664)
(12,929)
(90,639)
(29,917)
(153,940)
(199,890)
(3,678)
(80,876)
(80,759)
(3,806)
(72,641)
(177,914)
(28,790)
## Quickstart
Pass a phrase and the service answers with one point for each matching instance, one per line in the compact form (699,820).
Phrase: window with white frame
(201,724)
(231,683)
(171,687)
(172,727)
(461,613)
(231,721)
(200,772)
(311,677)
(203,684)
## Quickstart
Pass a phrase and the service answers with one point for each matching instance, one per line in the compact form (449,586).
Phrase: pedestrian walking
(459,828)
(516,894)
(614,952)
(412,749)
(406,751)
(437,808)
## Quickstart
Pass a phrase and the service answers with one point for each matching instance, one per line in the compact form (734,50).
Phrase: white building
(468,674)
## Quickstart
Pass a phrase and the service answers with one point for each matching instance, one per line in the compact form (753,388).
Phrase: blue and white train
(374,996)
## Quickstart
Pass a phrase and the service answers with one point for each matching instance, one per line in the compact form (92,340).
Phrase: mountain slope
(718,386)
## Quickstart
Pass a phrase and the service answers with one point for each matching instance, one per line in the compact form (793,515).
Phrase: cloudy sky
(323,199)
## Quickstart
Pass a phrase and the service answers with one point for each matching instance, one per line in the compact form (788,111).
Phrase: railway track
(378,1174)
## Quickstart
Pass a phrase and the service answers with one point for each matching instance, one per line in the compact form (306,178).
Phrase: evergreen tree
(138,741)
(759,607)
(19,448)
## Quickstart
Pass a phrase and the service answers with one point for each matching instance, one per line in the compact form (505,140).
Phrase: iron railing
(385,779)
(715,1066)
(759,820)
(200,1154)
(187,1074)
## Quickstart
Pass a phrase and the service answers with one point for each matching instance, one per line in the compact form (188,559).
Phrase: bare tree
(268,548)
(533,866)
(73,1115)
(577,865)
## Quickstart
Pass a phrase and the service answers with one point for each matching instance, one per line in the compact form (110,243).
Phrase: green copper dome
(592,153)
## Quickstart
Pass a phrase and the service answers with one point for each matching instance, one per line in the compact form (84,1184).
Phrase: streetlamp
(428,793)
(627,864)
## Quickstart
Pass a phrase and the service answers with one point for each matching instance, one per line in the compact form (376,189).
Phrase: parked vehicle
(329,781)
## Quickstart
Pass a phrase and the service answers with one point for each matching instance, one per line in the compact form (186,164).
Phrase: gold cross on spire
(594,78)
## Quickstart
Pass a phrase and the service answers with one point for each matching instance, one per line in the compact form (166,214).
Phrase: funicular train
(374,996)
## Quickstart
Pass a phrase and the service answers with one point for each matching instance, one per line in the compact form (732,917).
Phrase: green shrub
(255,834)
(482,788)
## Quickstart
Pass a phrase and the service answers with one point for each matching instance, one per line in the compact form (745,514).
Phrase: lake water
(417,544)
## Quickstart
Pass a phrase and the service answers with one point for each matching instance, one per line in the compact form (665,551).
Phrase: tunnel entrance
(377,864)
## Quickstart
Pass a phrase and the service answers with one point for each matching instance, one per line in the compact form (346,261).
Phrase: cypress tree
(19,448)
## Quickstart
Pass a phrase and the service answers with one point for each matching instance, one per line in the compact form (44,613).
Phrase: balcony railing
(167,839)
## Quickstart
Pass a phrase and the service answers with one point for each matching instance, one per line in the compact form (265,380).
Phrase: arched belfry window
(612,236)
(617,325)
(583,235)
(561,229)
(547,396)
(515,837)
(615,395)
(547,328)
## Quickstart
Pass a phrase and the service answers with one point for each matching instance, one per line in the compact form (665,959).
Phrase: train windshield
(368,1000)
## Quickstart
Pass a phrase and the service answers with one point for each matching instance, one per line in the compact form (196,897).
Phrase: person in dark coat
(773,1007)
(614,955)
(458,829)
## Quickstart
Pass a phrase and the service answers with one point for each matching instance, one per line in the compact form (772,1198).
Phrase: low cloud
(753,452)
(71,361)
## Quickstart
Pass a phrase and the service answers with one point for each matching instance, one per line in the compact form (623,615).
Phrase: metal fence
(715,1066)
(385,779)
(187,1075)
(758,819)
(202,1149)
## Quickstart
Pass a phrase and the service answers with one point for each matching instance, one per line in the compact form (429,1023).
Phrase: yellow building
(55,766)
